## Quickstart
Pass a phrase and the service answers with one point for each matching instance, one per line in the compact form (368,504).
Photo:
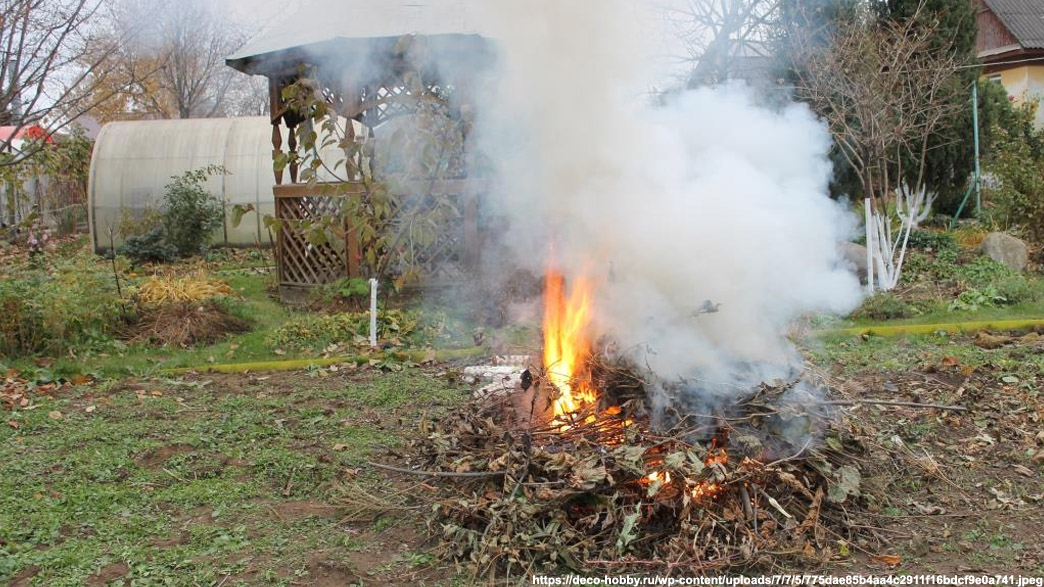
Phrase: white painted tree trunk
(888,252)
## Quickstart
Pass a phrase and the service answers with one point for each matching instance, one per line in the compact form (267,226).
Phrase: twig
(445,474)
(877,402)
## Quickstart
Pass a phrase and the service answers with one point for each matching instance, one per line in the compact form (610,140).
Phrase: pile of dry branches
(609,494)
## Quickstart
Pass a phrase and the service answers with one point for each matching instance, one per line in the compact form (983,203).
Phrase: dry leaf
(340,447)
(90,409)
(890,560)
(54,415)
(13,424)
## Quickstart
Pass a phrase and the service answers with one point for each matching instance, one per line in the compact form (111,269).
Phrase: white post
(373,312)
(869,246)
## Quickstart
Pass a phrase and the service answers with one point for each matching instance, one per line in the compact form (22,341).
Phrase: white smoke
(709,197)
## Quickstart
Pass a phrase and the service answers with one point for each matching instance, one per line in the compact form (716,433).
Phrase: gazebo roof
(339,28)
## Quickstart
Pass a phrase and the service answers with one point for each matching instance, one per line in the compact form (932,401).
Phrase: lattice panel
(302,263)
(443,261)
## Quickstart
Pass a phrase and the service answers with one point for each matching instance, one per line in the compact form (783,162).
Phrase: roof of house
(32,132)
(332,26)
(1023,18)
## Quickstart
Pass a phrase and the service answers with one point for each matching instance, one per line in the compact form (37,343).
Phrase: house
(1010,45)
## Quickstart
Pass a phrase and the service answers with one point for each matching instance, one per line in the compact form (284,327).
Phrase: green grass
(265,313)
(851,354)
(183,487)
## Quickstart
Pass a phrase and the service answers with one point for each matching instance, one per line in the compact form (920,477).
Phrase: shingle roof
(1024,18)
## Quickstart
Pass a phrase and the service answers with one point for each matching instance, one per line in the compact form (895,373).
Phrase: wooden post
(275,100)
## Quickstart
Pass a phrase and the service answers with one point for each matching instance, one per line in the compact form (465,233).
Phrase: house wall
(1025,83)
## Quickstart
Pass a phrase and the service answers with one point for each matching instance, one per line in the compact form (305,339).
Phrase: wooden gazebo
(352,53)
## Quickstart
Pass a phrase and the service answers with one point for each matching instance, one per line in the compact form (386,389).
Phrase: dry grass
(160,290)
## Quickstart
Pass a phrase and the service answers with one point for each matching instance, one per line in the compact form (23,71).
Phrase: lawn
(215,480)
(113,470)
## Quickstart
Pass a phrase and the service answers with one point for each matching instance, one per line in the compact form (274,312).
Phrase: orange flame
(566,343)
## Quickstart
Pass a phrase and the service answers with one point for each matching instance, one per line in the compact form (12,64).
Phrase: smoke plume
(704,217)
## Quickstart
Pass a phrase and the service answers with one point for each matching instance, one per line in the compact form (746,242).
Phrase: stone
(1006,250)
(853,258)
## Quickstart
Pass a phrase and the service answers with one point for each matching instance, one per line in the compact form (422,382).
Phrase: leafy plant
(972,300)
(1014,186)
(931,240)
(151,247)
(884,306)
(190,212)
(73,306)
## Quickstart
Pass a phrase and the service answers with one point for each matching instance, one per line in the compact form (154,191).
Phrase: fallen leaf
(80,379)
(13,424)
(890,560)
(156,393)
(340,447)
(54,415)
(1022,470)
(279,352)
(1011,379)
(90,409)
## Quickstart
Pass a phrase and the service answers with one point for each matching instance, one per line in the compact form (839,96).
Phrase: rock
(853,257)
(1006,249)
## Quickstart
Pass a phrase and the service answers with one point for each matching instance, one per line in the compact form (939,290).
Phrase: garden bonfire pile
(568,472)
(610,494)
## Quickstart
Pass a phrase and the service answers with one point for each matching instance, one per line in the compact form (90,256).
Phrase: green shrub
(923,266)
(73,307)
(151,247)
(190,212)
(972,300)
(355,289)
(884,306)
(1015,165)
(931,240)
(984,271)
(1017,289)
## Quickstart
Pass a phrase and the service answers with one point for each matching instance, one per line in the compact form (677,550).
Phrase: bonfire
(571,470)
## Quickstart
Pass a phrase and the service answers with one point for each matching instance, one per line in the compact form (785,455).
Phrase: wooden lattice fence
(452,256)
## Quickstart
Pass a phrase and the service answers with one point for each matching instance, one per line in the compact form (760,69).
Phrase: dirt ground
(266,479)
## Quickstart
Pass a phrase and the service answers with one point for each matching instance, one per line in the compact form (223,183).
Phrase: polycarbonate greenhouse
(134,161)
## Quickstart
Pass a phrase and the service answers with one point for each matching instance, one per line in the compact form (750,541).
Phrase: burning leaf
(847,484)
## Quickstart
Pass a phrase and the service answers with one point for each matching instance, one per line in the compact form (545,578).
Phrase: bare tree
(723,36)
(884,88)
(171,60)
(49,55)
